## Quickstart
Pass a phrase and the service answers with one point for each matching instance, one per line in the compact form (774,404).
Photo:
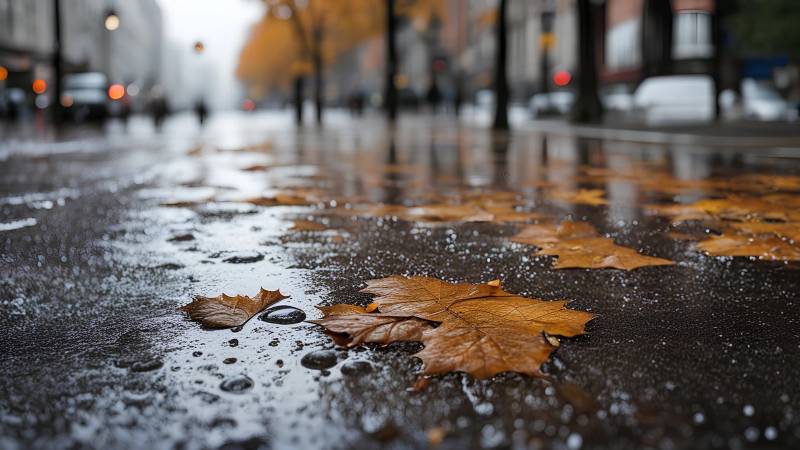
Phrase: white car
(762,102)
(676,98)
(555,103)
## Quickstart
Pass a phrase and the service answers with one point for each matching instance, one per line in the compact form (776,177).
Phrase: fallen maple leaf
(789,230)
(764,247)
(225,311)
(779,207)
(578,245)
(483,329)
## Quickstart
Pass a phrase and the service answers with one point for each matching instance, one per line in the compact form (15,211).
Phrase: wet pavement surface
(104,236)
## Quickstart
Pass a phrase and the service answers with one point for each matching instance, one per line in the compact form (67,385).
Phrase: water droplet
(319,359)
(574,441)
(771,433)
(237,384)
(228,360)
(244,258)
(356,368)
(283,315)
(146,366)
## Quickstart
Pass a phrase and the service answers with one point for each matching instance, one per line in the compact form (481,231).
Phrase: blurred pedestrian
(202,111)
(434,96)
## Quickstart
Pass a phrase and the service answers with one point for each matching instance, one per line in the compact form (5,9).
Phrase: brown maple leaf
(763,247)
(225,311)
(483,329)
(776,207)
(789,230)
(578,245)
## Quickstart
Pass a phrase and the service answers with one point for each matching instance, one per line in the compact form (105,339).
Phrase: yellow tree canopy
(292,32)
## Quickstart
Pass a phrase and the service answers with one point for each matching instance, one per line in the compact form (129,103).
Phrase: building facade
(130,55)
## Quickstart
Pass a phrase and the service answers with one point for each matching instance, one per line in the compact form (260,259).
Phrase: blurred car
(85,96)
(676,98)
(484,99)
(88,95)
(761,102)
(551,103)
(617,98)
(13,101)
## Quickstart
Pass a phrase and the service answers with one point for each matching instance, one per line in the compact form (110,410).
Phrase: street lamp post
(57,62)
(111,24)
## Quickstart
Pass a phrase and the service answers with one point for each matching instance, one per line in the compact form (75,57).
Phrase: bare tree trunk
(319,93)
(587,107)
(390,94)
(298,99)
(501,77)
(716,61)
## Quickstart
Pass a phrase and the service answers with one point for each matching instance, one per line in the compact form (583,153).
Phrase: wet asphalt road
(703,354)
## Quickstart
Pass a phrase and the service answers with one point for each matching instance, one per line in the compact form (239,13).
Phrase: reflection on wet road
(100,247)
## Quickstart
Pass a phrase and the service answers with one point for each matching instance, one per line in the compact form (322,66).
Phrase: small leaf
(225,311)
(307,225)
(578,245)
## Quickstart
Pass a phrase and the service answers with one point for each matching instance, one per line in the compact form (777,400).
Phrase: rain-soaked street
(105,234)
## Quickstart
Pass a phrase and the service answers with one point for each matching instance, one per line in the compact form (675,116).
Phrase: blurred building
(129,54)
(648,38)
(541,42)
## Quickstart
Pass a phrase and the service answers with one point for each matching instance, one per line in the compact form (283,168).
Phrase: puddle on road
(446,204)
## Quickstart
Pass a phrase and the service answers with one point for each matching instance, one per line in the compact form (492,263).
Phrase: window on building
(691,35)
(623,45)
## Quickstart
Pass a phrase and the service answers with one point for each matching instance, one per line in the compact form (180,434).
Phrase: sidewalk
(727,134)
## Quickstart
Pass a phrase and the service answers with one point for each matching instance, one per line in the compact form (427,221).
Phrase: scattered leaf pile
(766,227)
(479,329)
(578,245)
(499,207)
(225,311)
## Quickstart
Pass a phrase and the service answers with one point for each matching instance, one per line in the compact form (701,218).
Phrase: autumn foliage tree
(297,38)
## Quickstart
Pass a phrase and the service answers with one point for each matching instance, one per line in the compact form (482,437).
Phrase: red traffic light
(562,78)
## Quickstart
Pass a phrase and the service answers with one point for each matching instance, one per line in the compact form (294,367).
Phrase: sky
(222,26)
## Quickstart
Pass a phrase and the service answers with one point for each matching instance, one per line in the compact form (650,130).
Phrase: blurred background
(652,61)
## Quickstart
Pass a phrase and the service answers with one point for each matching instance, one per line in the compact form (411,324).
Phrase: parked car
(484,99)
(676,98)
(551,103)
(88,96)
(761,102)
